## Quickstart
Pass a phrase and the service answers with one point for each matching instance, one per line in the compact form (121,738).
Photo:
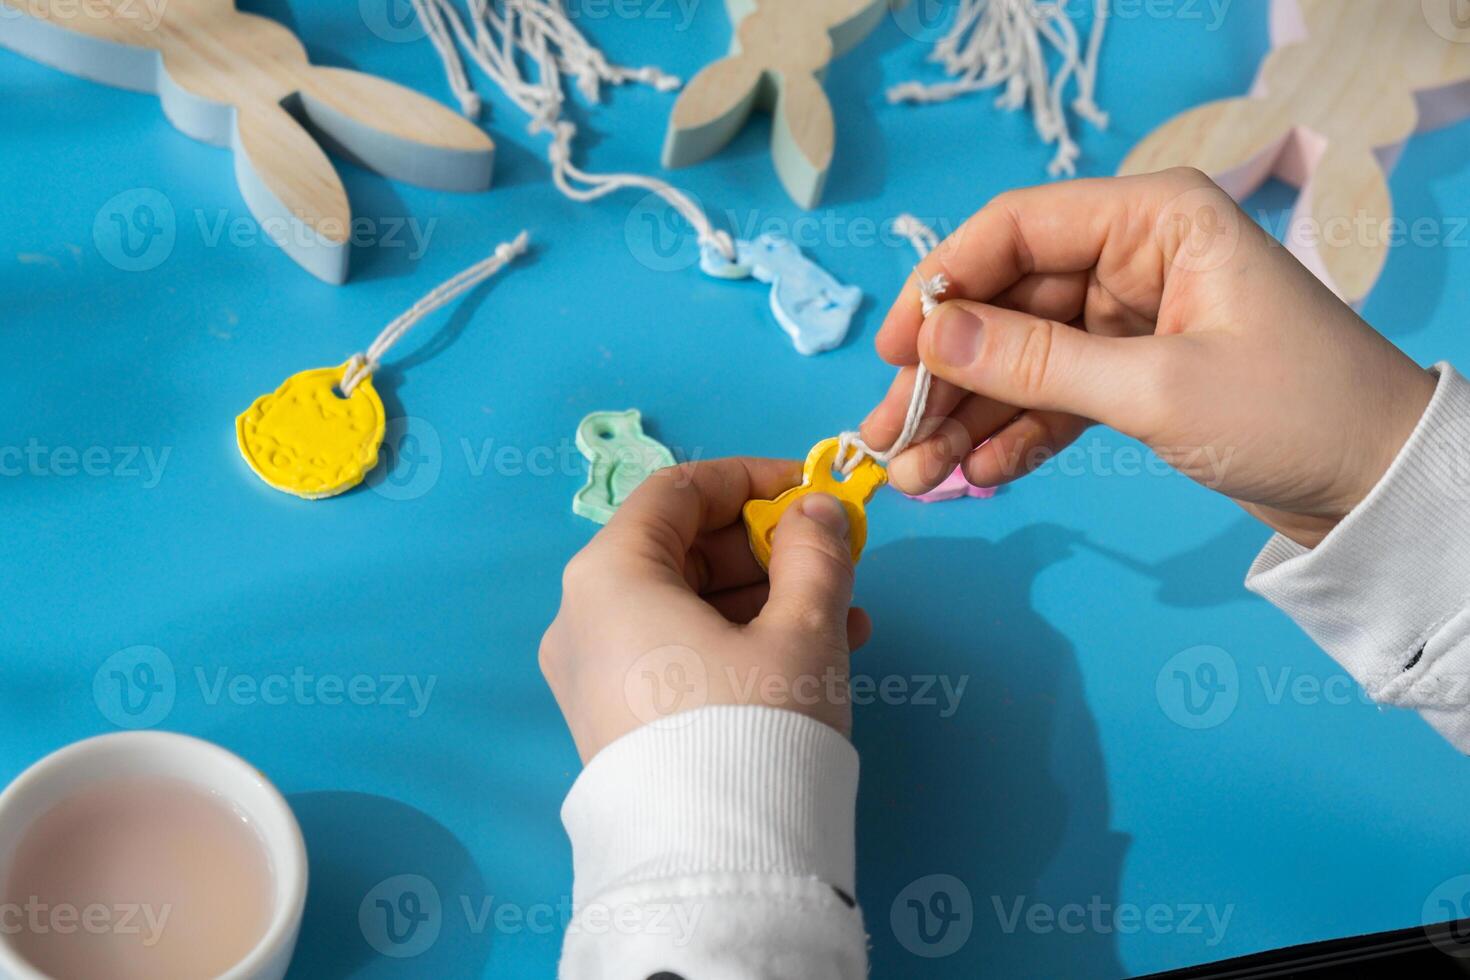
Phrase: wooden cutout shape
(1344,87)
(242,81)
(778,59)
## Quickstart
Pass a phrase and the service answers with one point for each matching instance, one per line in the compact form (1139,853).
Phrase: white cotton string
(505,32)
(438,34)
(998,44)
(563,172)
(851,449)
(363,365)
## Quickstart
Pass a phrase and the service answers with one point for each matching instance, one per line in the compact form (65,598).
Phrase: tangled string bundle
(998,44)
(502,34)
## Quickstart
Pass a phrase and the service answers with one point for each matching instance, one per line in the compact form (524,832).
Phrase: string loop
(851,449)
(363,365)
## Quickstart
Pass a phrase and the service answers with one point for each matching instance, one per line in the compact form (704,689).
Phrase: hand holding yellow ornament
(818,476)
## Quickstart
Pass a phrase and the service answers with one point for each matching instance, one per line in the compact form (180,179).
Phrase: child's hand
(1156,306)
(666,610)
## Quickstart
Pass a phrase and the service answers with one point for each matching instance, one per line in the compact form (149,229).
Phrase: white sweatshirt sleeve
(717,845)
(1387,593)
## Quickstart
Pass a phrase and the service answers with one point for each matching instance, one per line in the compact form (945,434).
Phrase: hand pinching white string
(851,449)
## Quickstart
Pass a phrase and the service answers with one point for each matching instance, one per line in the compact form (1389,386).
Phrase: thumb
(811,567)
(1034,363)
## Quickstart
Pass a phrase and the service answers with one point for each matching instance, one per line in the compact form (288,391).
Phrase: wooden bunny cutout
(780,53)
(1345,86)
(242,81)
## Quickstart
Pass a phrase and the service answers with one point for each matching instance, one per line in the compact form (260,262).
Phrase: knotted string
(995,43)
(540,31)
(363,365)
(851,449)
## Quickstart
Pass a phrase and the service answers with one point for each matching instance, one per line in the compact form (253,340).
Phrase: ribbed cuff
(720,789)
(1379,587)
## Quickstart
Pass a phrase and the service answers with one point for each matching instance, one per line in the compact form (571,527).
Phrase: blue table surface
(1101,819)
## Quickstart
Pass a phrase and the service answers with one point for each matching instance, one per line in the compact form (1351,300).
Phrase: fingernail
(956,336)
(826,511)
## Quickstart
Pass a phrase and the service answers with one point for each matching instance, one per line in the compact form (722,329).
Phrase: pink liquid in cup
(138,878)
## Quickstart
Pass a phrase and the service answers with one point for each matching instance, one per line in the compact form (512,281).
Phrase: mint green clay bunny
(620,457)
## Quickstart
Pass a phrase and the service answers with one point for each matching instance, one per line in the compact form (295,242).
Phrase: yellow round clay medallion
(308,440)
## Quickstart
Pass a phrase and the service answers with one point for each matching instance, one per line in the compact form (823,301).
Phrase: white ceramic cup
(147,753)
